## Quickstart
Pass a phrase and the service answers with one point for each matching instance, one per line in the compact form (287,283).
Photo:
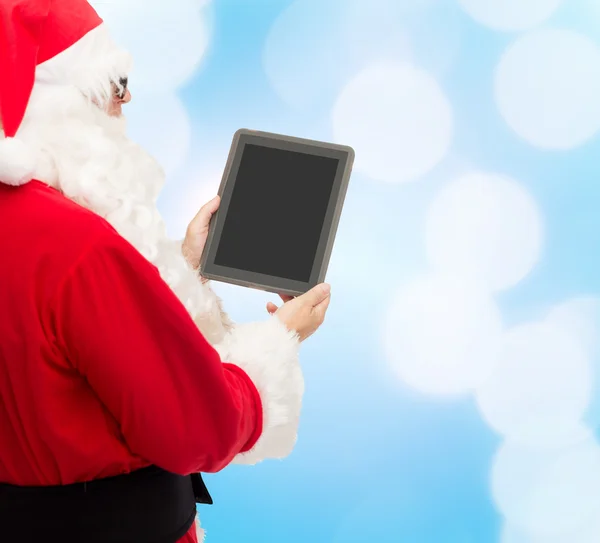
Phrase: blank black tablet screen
(276,212)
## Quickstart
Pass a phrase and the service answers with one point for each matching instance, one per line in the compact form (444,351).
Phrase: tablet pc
(281,201)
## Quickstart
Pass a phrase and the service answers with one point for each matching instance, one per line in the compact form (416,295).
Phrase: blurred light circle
(548,492)
(510,15)
(398,120)
(484,226)
(161,125)
(314,47)
(199,187)
(510,534)
(442,335)
(581,318)
(167,40)
(543,374)
(547,86)
(588,532)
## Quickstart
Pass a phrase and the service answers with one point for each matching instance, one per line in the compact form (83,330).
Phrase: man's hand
(272,308)
(305,313)
(197,233)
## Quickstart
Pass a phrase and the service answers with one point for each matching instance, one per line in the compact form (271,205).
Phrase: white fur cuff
(199,298)
(268,353)
(212,321)
(200,532)
(17,162)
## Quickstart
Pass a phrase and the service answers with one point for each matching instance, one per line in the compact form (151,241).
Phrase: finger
(316,295)
(321,308)
(202,218)
(271,307)
(285,298)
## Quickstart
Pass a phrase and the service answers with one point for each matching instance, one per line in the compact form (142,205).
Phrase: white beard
(86,154)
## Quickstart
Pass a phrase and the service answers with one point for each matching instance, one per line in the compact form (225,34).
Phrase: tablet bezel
(269,283)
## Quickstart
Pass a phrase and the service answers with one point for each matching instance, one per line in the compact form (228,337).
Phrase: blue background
(377,461)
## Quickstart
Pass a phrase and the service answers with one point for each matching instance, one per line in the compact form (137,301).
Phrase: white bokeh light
(200,186)
(547,87)
(581,318)
(484,226)
(308,58)
(345,270)
(510,534)
(167,42)
(164,131)
(441,335)
(510,15)
(543,374)
(588,532)
(167,39)
(548,493)
(398,120)
(314,47)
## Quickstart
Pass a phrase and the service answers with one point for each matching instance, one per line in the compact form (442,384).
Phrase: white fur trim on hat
(90,64)
(17,162)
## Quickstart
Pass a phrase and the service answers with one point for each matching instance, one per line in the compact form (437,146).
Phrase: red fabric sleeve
(126,333)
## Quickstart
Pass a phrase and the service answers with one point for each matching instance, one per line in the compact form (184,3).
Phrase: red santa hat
(49,42)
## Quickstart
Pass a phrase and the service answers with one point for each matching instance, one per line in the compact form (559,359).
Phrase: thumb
(321,308)
(202,218)
(316,295)
(212,205)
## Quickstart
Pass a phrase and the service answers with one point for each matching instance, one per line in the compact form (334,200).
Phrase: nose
(126,98)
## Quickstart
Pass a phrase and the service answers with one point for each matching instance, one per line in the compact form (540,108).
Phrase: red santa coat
(102,369)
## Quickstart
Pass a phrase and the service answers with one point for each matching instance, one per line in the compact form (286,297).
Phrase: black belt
(147,506)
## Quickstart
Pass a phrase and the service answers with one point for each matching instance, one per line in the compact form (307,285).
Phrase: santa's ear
(17,162)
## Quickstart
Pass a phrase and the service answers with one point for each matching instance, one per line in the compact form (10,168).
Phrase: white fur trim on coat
(268,352)
(17,162)
(200,532)
(199,298)
(213,322)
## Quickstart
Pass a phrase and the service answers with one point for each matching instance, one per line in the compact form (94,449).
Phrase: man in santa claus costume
(121,379)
